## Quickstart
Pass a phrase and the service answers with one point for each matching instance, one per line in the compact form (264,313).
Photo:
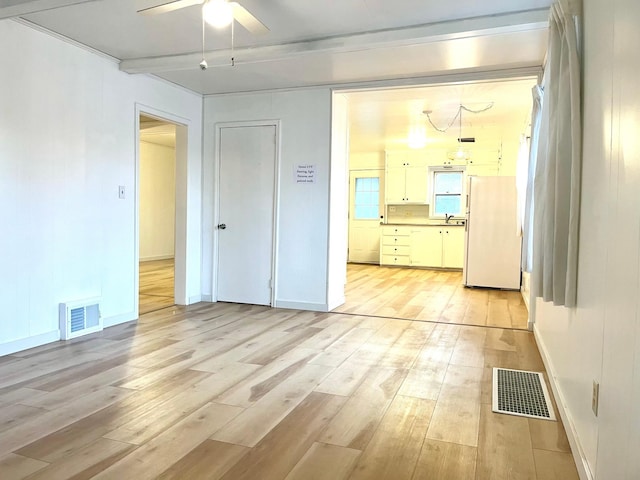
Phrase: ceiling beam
(406,36)
(17,8)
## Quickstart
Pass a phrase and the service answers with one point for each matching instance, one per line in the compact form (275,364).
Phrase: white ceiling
(346,43)
(309,43)
(381,119)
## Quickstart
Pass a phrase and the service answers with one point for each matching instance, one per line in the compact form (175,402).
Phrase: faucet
(447,218)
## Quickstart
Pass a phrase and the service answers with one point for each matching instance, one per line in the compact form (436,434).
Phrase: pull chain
(233,33)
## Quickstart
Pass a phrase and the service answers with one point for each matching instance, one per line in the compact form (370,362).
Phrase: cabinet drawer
(395,259)
(396,231)
(396,240)
(395,249)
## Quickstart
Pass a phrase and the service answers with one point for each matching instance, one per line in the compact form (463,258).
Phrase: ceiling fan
(218,13)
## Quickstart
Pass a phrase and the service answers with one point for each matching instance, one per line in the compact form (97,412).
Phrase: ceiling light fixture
(218,13)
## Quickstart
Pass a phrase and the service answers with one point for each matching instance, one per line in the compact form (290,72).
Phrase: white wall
(67,141)
(305,115)
(157,201)
(600,339)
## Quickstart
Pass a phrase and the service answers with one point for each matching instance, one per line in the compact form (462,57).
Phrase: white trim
(207,298)
(194,299)
(579,457)
(276,123)
(474,27)
(118,319)
(458,77)
(314,307)
(30,342)
(525,297)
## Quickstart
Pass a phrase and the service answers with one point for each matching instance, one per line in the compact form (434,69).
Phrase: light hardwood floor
(434,295)
(228,391)
(156,285)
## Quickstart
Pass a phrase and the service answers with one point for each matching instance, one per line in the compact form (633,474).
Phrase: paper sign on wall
(304,173)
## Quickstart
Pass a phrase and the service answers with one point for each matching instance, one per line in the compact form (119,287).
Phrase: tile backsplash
(407,214)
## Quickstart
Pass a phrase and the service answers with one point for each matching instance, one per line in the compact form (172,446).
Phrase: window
(367,199)
(447,192)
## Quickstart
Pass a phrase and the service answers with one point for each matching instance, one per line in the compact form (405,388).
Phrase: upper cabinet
(406,179)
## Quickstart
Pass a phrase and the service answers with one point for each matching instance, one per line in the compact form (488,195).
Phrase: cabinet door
(426,247)
(394,185)
(416,184)
(453,247)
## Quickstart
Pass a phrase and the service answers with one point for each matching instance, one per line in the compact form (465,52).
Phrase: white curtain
(534,144)
(521,182)
(558,166)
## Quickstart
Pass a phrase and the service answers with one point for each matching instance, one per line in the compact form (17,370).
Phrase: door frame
(181,183)
(275,207)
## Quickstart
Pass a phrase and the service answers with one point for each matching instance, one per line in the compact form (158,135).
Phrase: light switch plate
(121,192)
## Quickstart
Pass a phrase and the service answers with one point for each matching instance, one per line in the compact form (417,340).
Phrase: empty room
(319,240)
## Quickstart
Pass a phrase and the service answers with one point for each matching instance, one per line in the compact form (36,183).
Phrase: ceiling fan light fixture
(217,13)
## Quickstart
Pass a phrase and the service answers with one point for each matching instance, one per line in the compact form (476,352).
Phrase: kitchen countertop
(424,224)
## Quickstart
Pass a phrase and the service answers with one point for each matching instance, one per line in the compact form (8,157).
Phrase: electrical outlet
(595,397)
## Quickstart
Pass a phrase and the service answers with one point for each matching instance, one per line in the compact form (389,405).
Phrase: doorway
(247,156)
(417,128)
(156,213)
(366,201)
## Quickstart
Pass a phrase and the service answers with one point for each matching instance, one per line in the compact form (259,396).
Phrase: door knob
(222,226)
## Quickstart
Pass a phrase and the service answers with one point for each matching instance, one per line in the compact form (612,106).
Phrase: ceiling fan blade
(152,8)
(247,20)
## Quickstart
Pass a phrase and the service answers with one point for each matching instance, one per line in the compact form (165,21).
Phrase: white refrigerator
(492,243)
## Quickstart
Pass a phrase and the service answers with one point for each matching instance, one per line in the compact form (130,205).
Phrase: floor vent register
(517,392)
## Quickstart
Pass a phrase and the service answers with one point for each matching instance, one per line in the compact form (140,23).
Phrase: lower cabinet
(428,246)
(395,245)
(453,247)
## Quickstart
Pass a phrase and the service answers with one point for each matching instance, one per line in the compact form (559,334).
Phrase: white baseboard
(118,319)
(207,298)
(156,257)
(194,299)
(29,342)
(576,447)
(314,307)
(525,297)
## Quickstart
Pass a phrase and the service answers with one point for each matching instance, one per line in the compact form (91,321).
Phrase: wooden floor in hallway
(433,295)
(233,392)
(156,285)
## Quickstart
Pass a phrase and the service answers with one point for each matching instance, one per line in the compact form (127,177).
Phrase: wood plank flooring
(433,295)
(232,392)
(156,285)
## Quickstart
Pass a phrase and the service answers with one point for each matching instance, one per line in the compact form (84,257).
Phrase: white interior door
(366,188)
(246,215)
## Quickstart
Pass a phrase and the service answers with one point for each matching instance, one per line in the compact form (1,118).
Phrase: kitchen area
(436,212)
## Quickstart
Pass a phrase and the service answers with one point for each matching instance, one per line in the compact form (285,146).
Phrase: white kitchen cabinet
(395,245)
(426,247)
(453,247)
(422,246)
(405,179)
